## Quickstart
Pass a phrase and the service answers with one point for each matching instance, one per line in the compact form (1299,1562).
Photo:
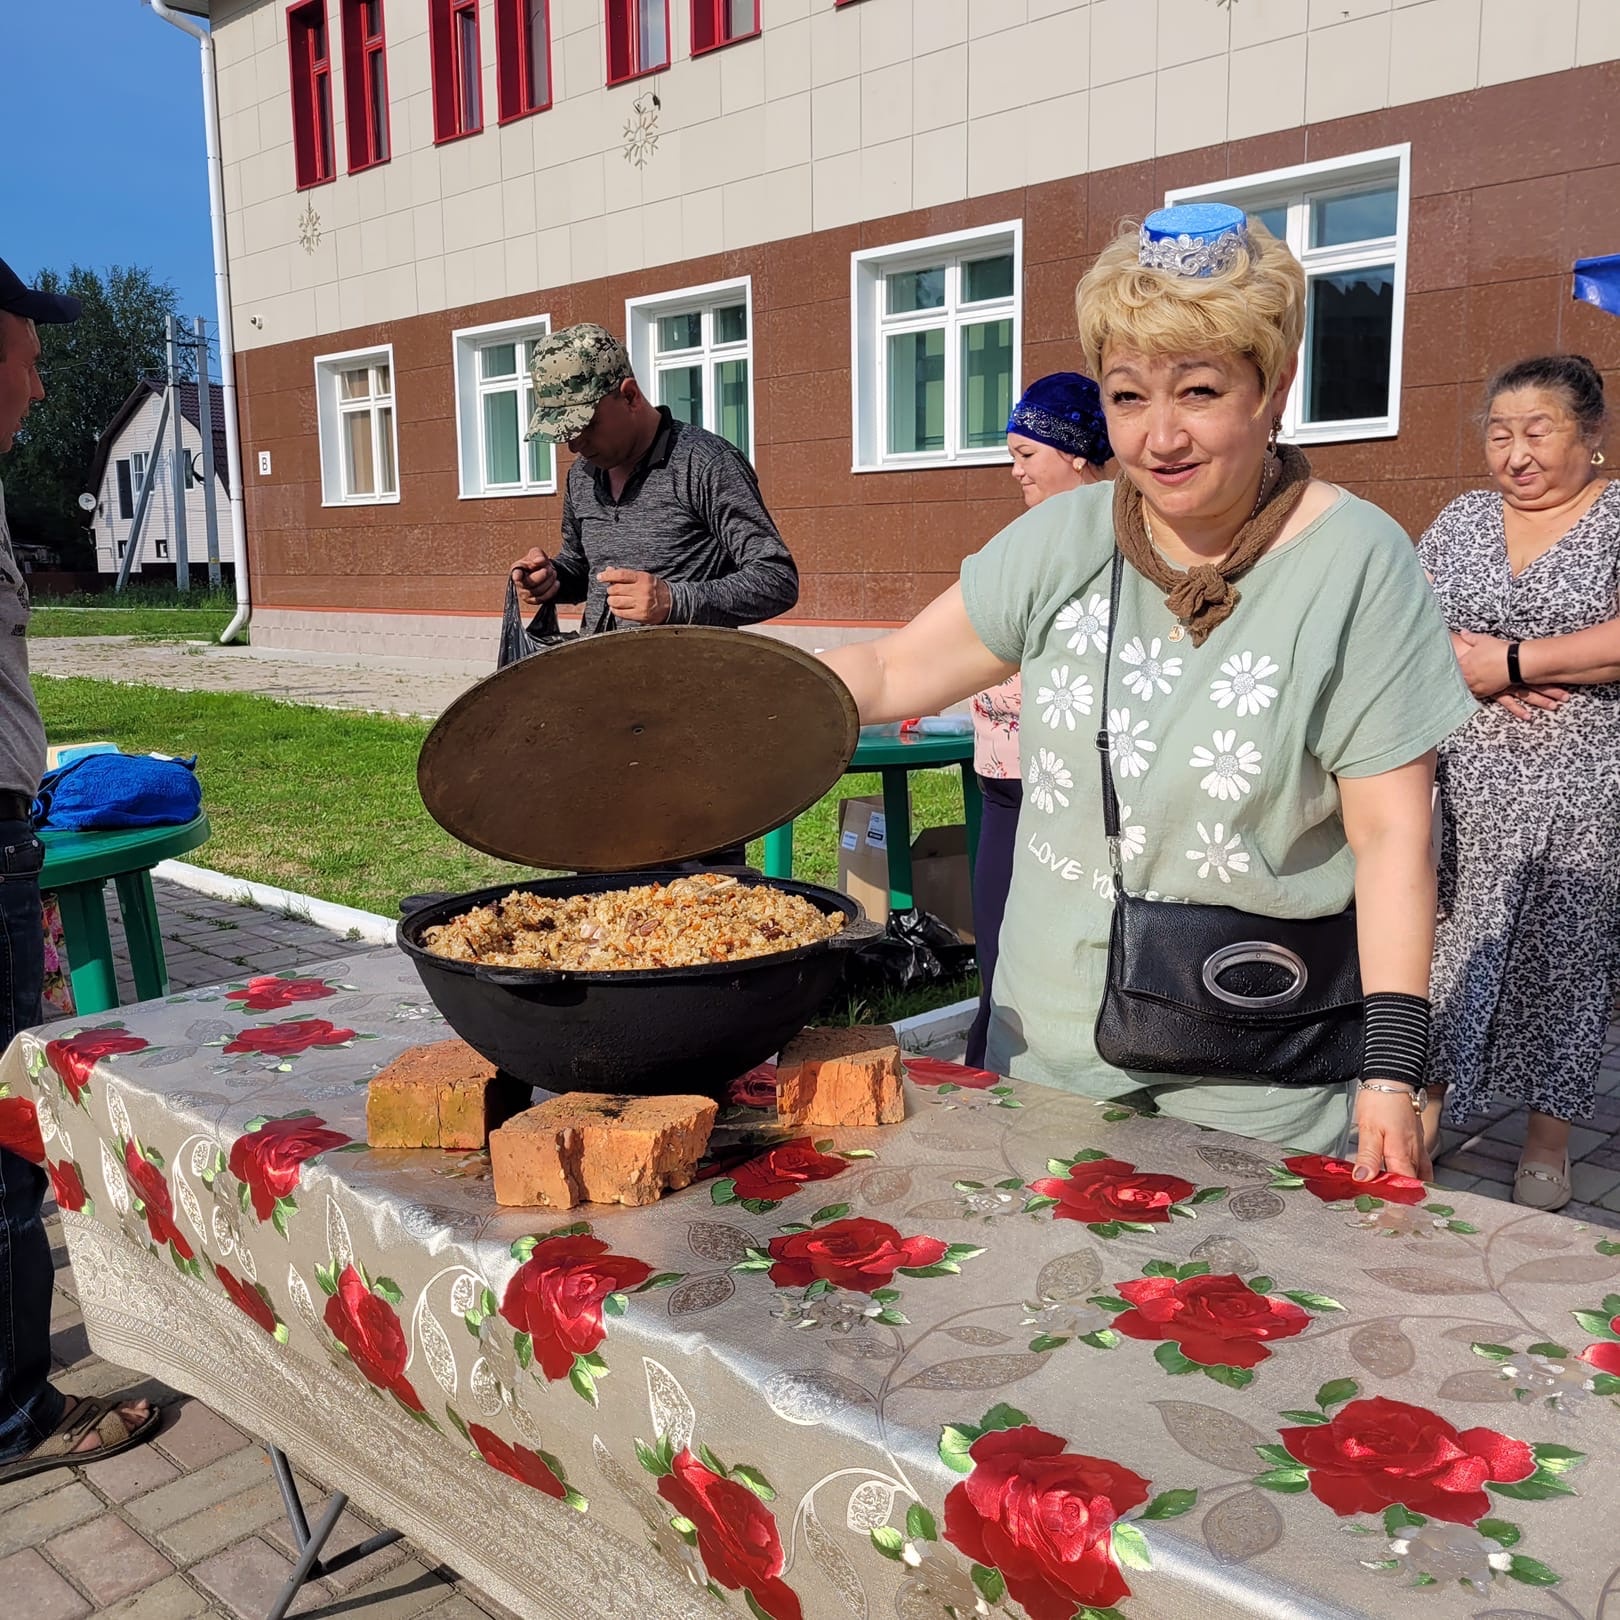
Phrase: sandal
(83,1416)
(1540,1186)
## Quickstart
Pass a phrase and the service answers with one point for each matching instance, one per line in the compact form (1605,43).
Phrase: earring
(1598,458)
(1276,428)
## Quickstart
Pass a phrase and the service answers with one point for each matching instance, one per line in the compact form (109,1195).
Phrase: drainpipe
(222,301)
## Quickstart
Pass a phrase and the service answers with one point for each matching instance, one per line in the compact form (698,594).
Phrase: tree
(89,367)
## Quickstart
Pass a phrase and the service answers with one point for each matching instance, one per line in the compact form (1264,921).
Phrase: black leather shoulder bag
(1212,991)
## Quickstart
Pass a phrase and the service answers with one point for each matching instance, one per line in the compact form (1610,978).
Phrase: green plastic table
(893,758)
(77,867)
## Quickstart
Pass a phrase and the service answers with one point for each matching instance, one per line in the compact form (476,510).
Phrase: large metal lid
(638,748)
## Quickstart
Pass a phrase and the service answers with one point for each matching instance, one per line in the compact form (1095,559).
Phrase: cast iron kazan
(690,1029)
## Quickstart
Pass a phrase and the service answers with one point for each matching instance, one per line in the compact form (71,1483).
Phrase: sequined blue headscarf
(1064,411)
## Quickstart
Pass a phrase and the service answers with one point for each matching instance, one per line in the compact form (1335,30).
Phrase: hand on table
(639,598)
(536,579)
(1390,1137)
(1483,661)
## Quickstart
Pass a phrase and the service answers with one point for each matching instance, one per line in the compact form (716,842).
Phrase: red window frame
(516,84)
(709,26)
(309,58)
(365,86)
(624,42)
(453,117)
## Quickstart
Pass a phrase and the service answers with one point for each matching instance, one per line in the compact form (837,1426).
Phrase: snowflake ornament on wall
(309,227)
(641,130)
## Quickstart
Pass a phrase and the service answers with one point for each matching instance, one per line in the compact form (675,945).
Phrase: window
(522,57)
(936,338)
(637,38)
(458,69)
(693,351)
(126,490)
(494,400)
(137,472)
(354,400)
(365,83)
(1346,223)
(722,22)
(313,162)
(161,547)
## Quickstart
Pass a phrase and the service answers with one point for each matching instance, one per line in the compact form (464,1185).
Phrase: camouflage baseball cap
(573,371)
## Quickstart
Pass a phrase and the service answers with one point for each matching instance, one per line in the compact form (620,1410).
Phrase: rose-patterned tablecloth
(1021,1355)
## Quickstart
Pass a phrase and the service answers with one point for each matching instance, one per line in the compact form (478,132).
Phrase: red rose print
(287,1039)
(1375,1453)
(1044,1517)
(67,1185)
(1605,1357)
(19,1129)
(736,1534)
(73,1058)
(784,1169)
(267,1160)
(518,1461)
(756,1089)
(1217,1321)
(366,1326)
(268,993)
(153,1191)
(859,1254)
(937,1072)
(1331,1181)
(1103,1190)
(248,1300)
(556,1297)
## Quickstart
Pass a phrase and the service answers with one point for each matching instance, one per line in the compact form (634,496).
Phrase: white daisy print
(1064,698)
(1048,776)
(1132,840)
(1084,621)
(1149,672)
(1220,854)
(1243,682)
(1229,763)
(1129,744)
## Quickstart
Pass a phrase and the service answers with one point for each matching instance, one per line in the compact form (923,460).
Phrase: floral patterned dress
(1527,954)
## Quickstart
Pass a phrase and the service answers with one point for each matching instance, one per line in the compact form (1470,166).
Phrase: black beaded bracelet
(1395,1043)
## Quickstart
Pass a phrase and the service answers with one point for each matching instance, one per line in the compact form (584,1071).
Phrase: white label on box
(849,840)
(876,831)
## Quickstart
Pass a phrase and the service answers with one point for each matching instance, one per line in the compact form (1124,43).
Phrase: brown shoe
(83,1417)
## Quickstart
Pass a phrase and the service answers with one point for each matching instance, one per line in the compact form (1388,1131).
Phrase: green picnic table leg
(779,852)
(972,811)
(89,946)
(139,908)
(897,836)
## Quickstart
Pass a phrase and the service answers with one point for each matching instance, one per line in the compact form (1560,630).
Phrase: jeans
(992,873)
(29,1407)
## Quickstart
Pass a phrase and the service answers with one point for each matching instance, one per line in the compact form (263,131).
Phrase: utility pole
(205,418)
(182,566)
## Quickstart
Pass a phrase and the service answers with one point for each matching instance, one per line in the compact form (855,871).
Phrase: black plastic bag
(520,639)
(914,949)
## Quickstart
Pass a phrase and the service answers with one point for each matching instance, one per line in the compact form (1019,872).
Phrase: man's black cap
(32,305)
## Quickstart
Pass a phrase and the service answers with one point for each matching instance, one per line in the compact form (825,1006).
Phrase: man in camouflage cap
(662,520)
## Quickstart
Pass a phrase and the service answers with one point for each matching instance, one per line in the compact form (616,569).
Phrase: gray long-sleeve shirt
(22,733)
(692,515)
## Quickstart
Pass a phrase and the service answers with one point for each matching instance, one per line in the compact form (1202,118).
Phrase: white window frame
(329,414)
(869,353)
(641,316)
(466,344)
(137,471)
(1297,187)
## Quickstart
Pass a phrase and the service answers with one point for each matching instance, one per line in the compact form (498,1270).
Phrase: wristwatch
(1396,1088)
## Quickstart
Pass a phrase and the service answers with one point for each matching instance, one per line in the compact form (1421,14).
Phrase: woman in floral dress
(1527,955)
(1280,676)
(1059,441)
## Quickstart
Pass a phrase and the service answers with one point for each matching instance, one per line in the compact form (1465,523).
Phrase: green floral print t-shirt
(1335,662)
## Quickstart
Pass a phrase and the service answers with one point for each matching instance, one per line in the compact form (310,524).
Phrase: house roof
(146,389)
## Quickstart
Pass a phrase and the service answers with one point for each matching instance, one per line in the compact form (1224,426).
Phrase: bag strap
(1110,800)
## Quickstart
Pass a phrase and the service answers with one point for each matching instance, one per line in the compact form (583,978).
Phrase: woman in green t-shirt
(1272,747)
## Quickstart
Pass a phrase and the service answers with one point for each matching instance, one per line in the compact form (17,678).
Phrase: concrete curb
(368,925)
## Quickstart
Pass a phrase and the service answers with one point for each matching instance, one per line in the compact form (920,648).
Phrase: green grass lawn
(150,623)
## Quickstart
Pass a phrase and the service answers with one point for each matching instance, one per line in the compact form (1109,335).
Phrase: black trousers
(992,874)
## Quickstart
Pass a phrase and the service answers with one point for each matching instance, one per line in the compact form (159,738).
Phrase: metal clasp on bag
(1254,950)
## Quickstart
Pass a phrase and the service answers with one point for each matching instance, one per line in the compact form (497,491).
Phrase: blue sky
(103,135)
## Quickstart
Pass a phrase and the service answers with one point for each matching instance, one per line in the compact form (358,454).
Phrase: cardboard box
(940,879)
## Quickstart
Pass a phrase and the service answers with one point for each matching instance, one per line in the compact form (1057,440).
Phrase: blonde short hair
(1255,307)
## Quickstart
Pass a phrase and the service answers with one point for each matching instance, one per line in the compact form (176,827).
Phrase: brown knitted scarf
(1203,597)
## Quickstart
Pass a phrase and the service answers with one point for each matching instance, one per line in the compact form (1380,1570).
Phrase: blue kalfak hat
(1597,282)
(1193,239)
(1064,411)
